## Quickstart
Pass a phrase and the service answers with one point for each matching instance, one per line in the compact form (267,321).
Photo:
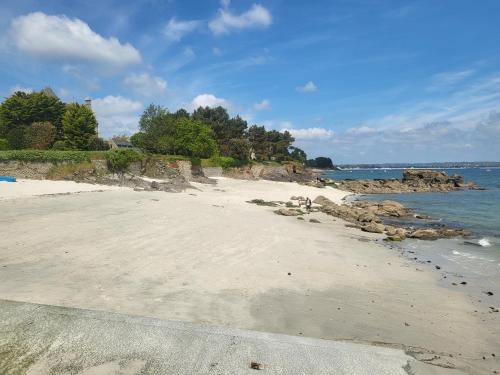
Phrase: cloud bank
(62,38)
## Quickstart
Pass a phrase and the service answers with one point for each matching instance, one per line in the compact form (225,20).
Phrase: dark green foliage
(21,110)
(320,162)
(46,156)
(298,154)
(165,133)
(119,160)
(4,144)
(257,137)
(270,145)
(137,139)
(239,148)
(225,128)
(97,144)
(223,162)
(40,135)
(16,138)
(60,146)
(79,124)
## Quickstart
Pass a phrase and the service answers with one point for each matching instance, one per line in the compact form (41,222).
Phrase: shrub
(4,144)
(119,160)
(60,146)
(16,138)
(97,144)
(40,135)
(223,161)
(72,171)
(51,156)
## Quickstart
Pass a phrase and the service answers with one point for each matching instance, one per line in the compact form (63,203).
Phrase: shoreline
(206,255)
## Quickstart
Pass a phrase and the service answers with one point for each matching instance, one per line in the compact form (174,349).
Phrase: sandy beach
(206,255)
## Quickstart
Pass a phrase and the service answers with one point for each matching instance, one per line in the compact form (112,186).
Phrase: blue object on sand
(7,178)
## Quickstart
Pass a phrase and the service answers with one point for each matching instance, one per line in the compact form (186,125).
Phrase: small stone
(289,273)
(463,283)
(488,293)
(255,366)
(406,324)
(438,267)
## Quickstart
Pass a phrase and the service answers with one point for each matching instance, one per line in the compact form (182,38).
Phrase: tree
(225,128)
(79,124)
(239,148)
(16,138)
(40,135)
(298,154)
(168,133)
(20,110)
(257,138)
(97,144)
(320,162)
(137,139)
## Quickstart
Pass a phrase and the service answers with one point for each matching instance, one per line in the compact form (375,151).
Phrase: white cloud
(311,133)
(116,115)
(176,30)
(256,17)
(361,130)
(449,78)
(112,105)
(62,38)
(308,87)
(16,88)
(146,85)
(208,100)
(265,104)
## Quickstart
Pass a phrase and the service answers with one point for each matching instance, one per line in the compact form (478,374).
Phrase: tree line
(40,120)
(209,132)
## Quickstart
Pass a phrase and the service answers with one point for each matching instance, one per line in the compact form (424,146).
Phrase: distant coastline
(446,165)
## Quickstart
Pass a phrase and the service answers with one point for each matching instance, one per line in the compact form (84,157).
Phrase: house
(121,144)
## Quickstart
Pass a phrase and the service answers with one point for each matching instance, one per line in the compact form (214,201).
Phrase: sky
(360,81)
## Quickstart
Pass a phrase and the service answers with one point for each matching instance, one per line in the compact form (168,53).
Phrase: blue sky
(357,80)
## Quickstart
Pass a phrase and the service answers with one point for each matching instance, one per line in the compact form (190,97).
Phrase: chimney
(88,104)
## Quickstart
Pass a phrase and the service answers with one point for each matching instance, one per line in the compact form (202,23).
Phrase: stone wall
(28,170)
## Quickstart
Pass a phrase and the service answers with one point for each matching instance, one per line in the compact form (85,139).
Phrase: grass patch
(262,202)
(71,171)
(223,162)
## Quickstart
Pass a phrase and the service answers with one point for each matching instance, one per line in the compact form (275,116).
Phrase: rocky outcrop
(284,172)
(413,181)
(367,217)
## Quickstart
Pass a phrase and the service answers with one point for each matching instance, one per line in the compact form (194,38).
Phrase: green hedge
(223,161)
(51,156)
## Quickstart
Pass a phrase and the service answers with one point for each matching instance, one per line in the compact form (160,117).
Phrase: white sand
(29,188)
(206,255)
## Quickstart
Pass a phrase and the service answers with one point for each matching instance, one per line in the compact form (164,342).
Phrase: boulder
(287,212)
(373,227)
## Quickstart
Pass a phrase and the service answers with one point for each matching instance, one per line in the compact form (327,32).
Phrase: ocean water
(475,210)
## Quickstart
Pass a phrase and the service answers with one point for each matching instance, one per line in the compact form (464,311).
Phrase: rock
(300,218)
(155,185)
(425,234)
(286,212)
(373,227)
(316,221)
(413,181)
(367,217)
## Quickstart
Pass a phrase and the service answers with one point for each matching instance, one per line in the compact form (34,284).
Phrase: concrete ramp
(39,339)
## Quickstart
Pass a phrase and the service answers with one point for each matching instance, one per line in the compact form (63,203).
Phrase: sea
(476,258)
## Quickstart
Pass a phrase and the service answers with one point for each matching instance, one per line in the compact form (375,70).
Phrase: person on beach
(308,203)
